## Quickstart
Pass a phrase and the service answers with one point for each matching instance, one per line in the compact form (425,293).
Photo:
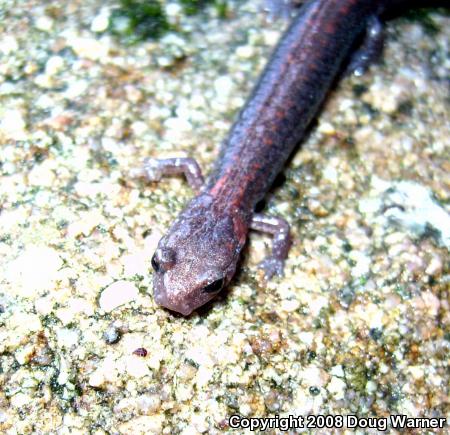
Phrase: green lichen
(192,7)
(357,375)
(425,18)
(137,20)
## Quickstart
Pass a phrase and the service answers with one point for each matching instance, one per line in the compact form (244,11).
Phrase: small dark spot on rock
(62,224)
(346,296)
(270,317)
(348,142)
(370,110)
(375,333)
(223,424)
(314,391)
(39,156)
(273,401)
(347,247)
(358,90)
(293,192)
(261,346)
(405,108)
(266,344)
(231,401)
(42,354)
(311,355)
(42,357)
(394,397)
(112,335)
(140,351)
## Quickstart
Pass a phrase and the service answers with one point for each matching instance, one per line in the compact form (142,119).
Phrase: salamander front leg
(155,169)
(279,229)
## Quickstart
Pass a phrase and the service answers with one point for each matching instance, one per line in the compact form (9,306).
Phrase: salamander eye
(163,259)
(155,264)
(214,287)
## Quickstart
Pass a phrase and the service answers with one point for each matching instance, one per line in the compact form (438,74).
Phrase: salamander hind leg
(279,229)
(282,8)
(155,169)
(370,49)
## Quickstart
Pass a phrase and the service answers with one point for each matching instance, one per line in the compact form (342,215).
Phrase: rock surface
(360,324)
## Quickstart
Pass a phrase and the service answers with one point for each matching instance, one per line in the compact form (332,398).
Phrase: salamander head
(198,255)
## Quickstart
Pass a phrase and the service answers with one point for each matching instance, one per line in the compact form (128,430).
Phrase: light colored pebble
(44,81)
(173,10)
(101,22)
(54,65)
(149,403)
(97,379)
(67,338)
(330,174)
(139,128)
(44,23)
(337,371)
(19,400)
(43,305)
(143,425)
(290,305)
(416,372)
(326,128)
(8,44)
(42,175)
(86,224)
(371,387)
(314,376)
(137,263)
(245,51)
(362,263)
(223,86)
(74,308)
(89,48)
(13,125)
(117,294)
(76,89)
(34,270)
(337,388)
(180,124)
(136,366)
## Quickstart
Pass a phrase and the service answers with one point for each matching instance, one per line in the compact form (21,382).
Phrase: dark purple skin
(198,255)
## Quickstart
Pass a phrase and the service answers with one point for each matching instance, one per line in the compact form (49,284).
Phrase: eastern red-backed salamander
(198,255)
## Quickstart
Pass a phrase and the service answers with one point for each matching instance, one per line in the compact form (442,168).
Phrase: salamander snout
(177,305)
(197,258)
(188,284)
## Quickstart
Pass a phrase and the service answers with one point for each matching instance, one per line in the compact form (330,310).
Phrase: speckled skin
(287,97)
(203,245)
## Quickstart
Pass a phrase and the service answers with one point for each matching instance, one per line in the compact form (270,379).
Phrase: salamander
(199,254)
